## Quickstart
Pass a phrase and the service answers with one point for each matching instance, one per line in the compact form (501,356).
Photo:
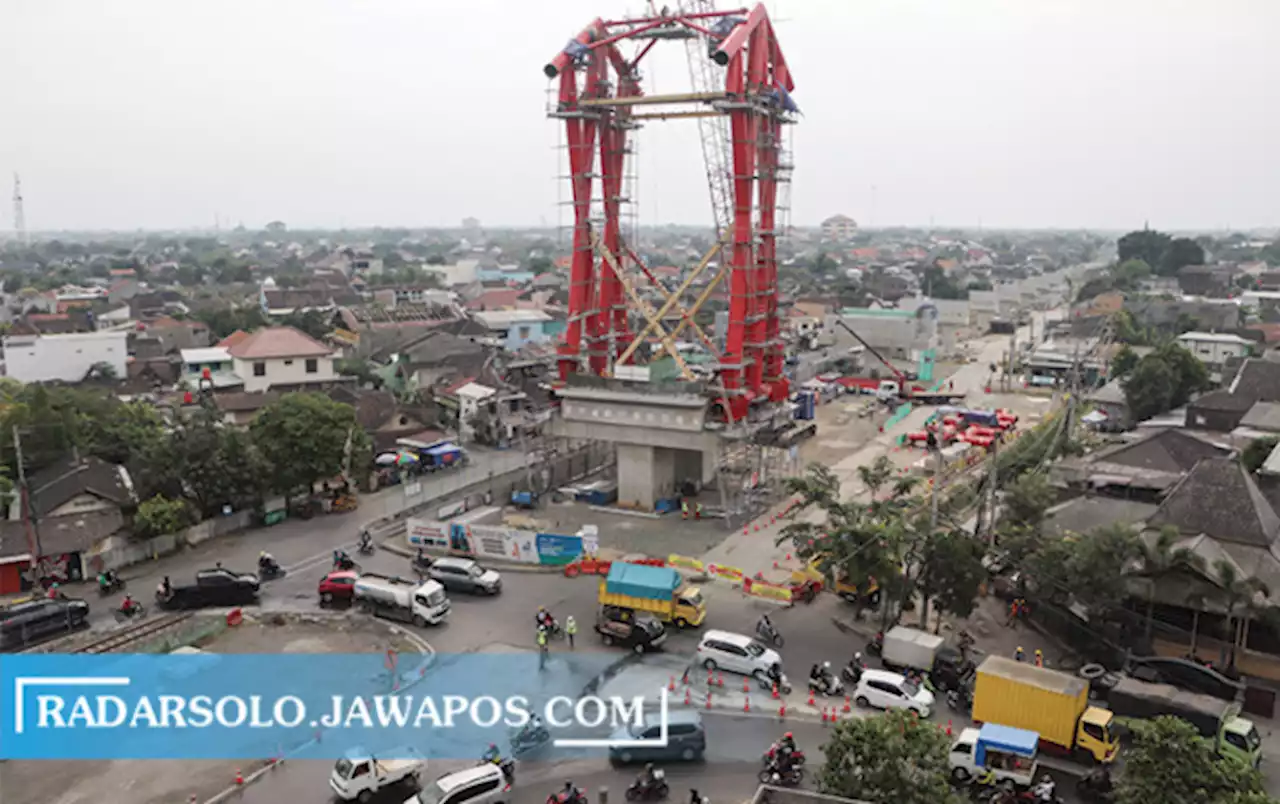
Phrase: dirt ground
(174,782)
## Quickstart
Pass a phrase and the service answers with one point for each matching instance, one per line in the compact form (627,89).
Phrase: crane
(905,392)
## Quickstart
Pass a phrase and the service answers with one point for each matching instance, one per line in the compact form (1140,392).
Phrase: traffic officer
(1018,655)
(542,648)
(570,628)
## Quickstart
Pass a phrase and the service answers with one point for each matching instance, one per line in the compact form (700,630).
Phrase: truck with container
(1217,720)
(912,649)
(1051,703)
(419,602)
(660,591)
(358,775)
(1009,753)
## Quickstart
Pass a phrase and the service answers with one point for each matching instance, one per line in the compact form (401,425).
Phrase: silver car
(465,575)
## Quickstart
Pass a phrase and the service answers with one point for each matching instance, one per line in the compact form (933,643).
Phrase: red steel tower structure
(600,100)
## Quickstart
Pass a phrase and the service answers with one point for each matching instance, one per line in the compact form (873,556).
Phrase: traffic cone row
(775,692)
(239,777)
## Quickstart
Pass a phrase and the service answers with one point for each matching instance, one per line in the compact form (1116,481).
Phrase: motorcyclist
(128,604)
(366,541)
(421,558)
(645,780)
(784,756)
(856,666)
(1046,789)
(569,793)
(492,754)
(544,619)
(107,579)
(530,729)
(341,559)
(822,678)
(1099,779)
(266,560)
(986,779)
(54,592)
(765,626)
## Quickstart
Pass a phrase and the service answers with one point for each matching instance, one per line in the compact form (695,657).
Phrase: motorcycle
(422,565)
(656,790)
(1095,790)
(769,634)
(113,585)
(960,700)
(578,796)
(345,564)
(365,548)
(555,630)
(774,775)
(526,740)
(270,571)
(852,672)
(769,758)
(876,646)
(767,682)
(136,611)
(506,765)
(829,685)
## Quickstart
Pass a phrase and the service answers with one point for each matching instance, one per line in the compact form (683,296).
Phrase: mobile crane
(901,387)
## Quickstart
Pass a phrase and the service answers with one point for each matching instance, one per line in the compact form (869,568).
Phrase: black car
(25,624)
(1185,674)
(213,587)
(620,626)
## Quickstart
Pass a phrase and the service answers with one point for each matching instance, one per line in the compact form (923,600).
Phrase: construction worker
(1018,655)
(542,648)
(1039,658)
(697,511)
(684,508)
(570,628)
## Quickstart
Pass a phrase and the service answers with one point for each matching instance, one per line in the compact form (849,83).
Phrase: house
(212,365)
(238,408)
(1214,349)
(839,227)
(495,299)
(65,358)
(382,417)
(1110,401)
(178,334)
(512,329)
(1143,469)
(73,504)
(438,356)
(277,302)
(1206,280)
(1257,380)
(281,357)
(460,405)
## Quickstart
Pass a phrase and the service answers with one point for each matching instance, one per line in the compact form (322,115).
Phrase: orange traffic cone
(782,712)
(746,688)
(671,685)
(948,728)
(811,698)
(708,700)
(757,528)
(745,531)
(687,700)
(846,704)
(720,680)
(788,556)
(824,715)
(746,704)
(775,565)
(775,692)
(239,777)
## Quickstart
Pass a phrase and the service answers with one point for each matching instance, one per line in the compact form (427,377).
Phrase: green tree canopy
(1027,499)
(1149,388)
(160,515)
(1168,754)
(1256,453)
(1147,245)
(306,438)
(1124,361)
(891,757)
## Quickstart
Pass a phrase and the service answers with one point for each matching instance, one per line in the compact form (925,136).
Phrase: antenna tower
(19,217)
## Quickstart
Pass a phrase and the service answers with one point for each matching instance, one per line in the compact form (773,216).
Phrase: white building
(214,359)
(470,398)
(839,227)
(44,358)
(281,356)
(462,272)
(1214,348)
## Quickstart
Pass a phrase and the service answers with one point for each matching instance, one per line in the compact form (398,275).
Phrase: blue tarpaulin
(637,580)
(443,449)
(1005,739)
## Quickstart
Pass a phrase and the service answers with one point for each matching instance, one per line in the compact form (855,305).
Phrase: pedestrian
(951,385)
(1039,658)
(542,648)
(1018,655)
(1012,621)
(697,512)
(570,628)
(684,508)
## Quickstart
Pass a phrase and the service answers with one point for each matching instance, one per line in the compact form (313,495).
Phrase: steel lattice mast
(599,94)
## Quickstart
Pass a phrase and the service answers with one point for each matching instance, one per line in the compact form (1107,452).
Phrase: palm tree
(1238,596)
(1157,559)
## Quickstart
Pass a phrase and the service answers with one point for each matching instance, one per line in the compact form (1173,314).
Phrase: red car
(338,585)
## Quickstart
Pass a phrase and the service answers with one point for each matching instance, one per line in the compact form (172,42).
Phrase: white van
(736,653)
(399,599)
(484,784)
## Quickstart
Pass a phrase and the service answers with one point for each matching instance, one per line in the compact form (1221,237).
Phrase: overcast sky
(1062,113)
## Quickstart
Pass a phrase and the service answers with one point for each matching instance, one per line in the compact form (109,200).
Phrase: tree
(218,465)
(1097,566)
(160,515)
(305,438)
(1124,361)
(1238,596)
(1180,253)
(312,322)
(1147,245)
(1158,558)
(1190,375)
(894,756)
(951,572)
(1168,754)
(1027,499)
(1257,452)
(874,477)
(1149,388)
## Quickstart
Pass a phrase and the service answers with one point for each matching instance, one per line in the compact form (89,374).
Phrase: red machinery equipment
(599,94)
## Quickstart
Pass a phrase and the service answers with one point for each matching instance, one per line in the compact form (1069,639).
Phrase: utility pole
(937,482)
(19,215)
(24,502)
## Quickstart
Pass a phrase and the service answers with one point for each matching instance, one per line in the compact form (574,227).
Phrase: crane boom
(901,378)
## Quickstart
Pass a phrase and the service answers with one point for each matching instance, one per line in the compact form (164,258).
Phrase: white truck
(359,775)
(1010,754)
(420,603)
(910,648)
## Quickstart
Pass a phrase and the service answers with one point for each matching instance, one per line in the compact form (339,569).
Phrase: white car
(725,650)
(884,690)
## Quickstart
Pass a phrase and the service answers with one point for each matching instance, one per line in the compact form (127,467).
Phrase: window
(1094,731)
(193,368)
(524,333)
(1237,740)
(259,369)
(313,365)
(288,362)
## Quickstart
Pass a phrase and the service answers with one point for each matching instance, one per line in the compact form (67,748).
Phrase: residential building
(435,357)
(461,272)
(513,329)
(276,357)
(1214,349)
(839,228)
(1110,401)
(1141,470)
(64,358)
(212,365)
(1206,280)
(1257,380)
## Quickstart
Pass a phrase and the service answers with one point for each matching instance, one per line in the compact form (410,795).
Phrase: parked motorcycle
(774,775)
(769,634)
(656,790)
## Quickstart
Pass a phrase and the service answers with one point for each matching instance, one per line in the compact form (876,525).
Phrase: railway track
(134,633)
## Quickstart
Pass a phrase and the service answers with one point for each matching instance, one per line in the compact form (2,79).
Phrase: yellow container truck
(1051,703)
(659,591)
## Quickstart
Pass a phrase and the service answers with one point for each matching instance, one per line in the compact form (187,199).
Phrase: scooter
(769,634)
(270,571)
(656,790)
(116,584)
(776,776)
(135,612)
(525,740)
(767,682)
(578,796)
(960,700)
(345,564)
(852,672)
(365,547)
(876,646)
(829,685)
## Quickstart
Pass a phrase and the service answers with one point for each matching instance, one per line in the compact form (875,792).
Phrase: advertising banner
(766,590)
(686,563)
(313,706)
(460,539)
(428,533)
(522,545)
(558,550)
(730,574)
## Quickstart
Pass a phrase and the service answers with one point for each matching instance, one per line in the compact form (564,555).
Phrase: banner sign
(314,706)
(764,589)
(502,543)
(428,533)
(558,550)
(686,563)
(731,574)
(452,509)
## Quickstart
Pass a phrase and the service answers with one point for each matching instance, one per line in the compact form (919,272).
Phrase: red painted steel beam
(737,40)
(702,15)
(562,59)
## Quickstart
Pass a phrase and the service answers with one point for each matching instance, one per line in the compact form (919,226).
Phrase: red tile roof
(453,389)
(233,339)
(495,299)
(276,342)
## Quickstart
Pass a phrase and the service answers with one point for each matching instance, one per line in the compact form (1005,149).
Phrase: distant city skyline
(976,113)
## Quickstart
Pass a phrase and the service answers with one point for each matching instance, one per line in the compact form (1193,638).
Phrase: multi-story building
(281,356)
(65,358)
(839,228)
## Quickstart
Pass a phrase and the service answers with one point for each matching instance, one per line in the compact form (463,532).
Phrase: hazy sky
(1067,113)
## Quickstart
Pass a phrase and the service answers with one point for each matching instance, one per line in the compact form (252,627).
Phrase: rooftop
(1238,513)
(501,319)
(209,354)
(278,342)
(1214,337)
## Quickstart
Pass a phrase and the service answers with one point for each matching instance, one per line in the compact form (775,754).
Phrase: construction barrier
(766,590)
(730,574)
(686,563)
